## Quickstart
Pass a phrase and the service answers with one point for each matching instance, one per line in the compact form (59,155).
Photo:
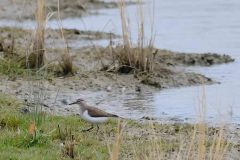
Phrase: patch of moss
(17,32)
(12,68)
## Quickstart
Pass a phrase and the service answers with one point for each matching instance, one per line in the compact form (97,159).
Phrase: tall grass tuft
(68,142)
(202,143)
(36,59)
(66,63)
(116,149)
(140,57)
(125,26)
(66,60)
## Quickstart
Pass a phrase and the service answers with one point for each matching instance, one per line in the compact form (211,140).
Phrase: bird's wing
(95,112)
(88,118)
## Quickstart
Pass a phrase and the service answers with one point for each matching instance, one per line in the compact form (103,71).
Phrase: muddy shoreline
(170,69)
(89,61)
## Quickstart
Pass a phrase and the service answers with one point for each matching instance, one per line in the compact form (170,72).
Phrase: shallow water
(186,26)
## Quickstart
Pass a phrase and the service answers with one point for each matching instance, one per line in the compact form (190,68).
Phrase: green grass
(14,69)
(16,143)
(139,140)
(11,67)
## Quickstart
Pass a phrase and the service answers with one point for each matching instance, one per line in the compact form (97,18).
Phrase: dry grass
(66,64)
(199,146)
(204,144)
(116,149)
(67,142)
(36,59)
(139,58)
(125,26)
(8,47)
(66,60)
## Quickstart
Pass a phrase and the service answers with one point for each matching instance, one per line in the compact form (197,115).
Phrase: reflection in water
(127,105)
(139,101)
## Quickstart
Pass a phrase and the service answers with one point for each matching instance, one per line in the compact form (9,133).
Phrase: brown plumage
(92,111)
(95,112)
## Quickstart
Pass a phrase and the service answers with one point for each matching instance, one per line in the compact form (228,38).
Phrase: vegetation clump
(141,57)
(36,58)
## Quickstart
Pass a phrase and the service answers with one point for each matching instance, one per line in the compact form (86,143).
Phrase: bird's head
(78,101)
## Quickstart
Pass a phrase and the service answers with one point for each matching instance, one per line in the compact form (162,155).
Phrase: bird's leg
(89,129)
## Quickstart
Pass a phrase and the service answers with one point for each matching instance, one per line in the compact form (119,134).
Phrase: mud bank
(192,59)
(169,68)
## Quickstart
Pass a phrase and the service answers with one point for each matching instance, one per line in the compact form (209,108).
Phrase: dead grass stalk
(36,59)
(66,60)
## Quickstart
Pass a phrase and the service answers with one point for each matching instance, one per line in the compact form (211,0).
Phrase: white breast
(88,118)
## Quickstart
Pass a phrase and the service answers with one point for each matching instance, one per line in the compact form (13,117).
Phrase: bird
(92,114)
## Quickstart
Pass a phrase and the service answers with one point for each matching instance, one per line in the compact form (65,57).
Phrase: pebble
(109,89)
(24,110)
(164,113)
(138,88)
(123,89)
(148,118)
(64,101)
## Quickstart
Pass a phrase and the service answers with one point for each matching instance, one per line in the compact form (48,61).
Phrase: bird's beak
(72,103)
